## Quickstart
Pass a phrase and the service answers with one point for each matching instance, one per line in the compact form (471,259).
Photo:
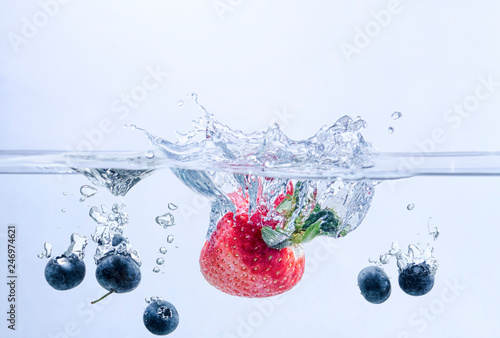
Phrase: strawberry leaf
(329,224)
(276,238)
(311,232)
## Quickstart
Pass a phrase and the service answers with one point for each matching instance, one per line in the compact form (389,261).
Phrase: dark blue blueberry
(64,273)
(117,239)
(118,273)
(416,279)
(374,284)
(161,318)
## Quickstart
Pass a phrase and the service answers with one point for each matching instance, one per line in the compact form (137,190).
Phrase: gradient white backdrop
(73,72)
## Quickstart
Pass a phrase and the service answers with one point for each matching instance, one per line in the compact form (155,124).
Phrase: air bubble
(396,115)
(390,130)
(156,269)
(410,206)
(160,261)
(87,191)
(170,238)
(172,206)
(166,220)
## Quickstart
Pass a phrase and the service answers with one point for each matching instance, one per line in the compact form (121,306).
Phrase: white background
(300,64)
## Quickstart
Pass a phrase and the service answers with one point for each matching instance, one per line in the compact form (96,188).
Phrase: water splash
(232,161)
(109,233)
(166,220)
(153,299)
(117,181)
(47,251)
(416,254)
(77,246)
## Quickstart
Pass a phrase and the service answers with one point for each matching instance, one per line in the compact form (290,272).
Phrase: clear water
(343,178)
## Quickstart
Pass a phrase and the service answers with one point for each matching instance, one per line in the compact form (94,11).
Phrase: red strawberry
(237,261)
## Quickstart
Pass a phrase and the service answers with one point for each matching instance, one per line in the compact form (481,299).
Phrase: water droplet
(160,261)
(180,103)
(170,238)
(156,269)
(63,210)
(177,247)
(166,220)
(433,230)
(47,251)
(117,207)
(150,154)
(162,250)
(390,130)
(125,126)
(133,127)
(410,206)
(153,299)
(96,215)
(65,193)
(172,206)
(87,191)
(384,258)
(396,115)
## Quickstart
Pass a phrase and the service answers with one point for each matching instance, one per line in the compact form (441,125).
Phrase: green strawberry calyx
(302,223)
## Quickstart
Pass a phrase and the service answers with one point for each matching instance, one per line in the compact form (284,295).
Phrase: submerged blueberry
(161,317)
(65,272)
(117,239)
(118,273)
(416,279)
(374,284)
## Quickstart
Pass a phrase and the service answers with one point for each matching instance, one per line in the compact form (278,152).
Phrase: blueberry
(118,273)
(117,239)
(65,272)
(161,318)
(374,284)
(416,279)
